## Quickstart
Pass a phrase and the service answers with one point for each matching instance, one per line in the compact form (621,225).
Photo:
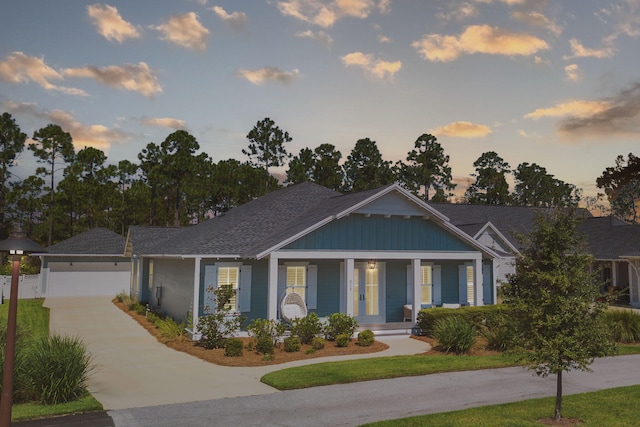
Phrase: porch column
(494,282)
(614,273)
(634,281)
(477,267)
(272,288)
(417,289)
(348,274)
(195,305)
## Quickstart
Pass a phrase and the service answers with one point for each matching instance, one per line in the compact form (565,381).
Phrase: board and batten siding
(360,232)
(175,278)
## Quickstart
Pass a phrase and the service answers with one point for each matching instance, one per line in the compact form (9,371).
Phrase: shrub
(122,297)
(365,338)
(58,368)
(306,328)
(624,325)
(339,324)
(292,344)
(479,317)
(454,334)
(500,337)
(233,347)
(263,329)
(310,351)
(218,326)
(169,328)
(265,346)
(342,340)
(318,343)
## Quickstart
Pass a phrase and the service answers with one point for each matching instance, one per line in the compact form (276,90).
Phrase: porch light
(372,264)
(17,245)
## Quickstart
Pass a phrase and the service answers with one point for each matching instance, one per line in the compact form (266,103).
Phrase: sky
(555,83)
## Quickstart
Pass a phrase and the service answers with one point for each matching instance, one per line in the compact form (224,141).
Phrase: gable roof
(141,238)
(97,241)
(272,221)
(609,238)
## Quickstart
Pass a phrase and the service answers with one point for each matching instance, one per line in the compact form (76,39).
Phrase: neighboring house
(365,254)
(614,245)
(89,264)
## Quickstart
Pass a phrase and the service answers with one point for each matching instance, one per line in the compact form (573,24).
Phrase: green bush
(365,338)
(454,334)
(216,327)
(233,347)
(263,329)
(291,344)
(122,297)
(169,328)
(500,337)
(480,317)
(624,325)
(58,368)
(318,343)
(342,340)
(265,345)
(339,324)
(306,328)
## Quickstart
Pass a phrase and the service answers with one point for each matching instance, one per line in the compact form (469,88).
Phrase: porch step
(386,329)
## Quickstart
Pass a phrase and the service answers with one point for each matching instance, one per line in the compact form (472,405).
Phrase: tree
(266,147)
(535,187)
(553,296)
(53,146)
(301,167)
(427,168)
(26,203)
(11,145)
(327,171)
(621,184)
(125,173)
(151,165)
(365,168)
(491,187)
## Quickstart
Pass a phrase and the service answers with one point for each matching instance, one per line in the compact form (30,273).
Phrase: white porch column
(477,268)
(634,281)
(417,289)
(614,273)
(195,305)
(348,274)
(272,288)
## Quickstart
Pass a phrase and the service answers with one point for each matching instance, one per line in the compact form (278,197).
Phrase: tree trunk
(557,413)
(51,198)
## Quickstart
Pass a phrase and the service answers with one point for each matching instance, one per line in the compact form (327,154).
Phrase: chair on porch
(408,311)
(292,307)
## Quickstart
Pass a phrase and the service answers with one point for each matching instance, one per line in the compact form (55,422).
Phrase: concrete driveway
(134,370)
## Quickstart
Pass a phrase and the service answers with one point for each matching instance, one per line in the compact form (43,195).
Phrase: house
(614,244)
(365,254)
(89,264)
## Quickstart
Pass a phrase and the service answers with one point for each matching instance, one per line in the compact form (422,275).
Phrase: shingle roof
(245,229)
(609,238)
(97,241)
(141,238)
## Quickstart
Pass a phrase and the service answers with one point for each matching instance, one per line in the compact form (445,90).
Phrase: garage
(89,264)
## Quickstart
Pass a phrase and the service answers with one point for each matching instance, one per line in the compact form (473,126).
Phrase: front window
(228,277)
(426,284)
(470,296)
(296,280)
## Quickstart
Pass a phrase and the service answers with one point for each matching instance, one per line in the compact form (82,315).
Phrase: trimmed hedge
(478,317)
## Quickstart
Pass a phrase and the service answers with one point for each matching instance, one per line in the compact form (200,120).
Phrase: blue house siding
(487,282)
(396,290)
(358,232)
(259,281)
(328,287)
(450,287)
(175,278)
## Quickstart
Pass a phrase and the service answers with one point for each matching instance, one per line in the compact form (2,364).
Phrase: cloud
(573,73)
(236,20)
(320,36)
(579,51)
(462,130)
(97,136)
(573,108)
(186,31)
(378,68)
(110,24)
(164,122)
(619,116)
(458,12)
(19,68)
(325,13)
(134,77)
(266,74)
(478,39)
(537,19)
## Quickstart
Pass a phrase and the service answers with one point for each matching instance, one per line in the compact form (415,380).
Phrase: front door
(367,294)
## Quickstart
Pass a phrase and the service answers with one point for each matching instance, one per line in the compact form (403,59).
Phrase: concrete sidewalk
(134,370)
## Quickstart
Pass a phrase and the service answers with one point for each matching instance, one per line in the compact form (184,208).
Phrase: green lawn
(615,407)
(34,317)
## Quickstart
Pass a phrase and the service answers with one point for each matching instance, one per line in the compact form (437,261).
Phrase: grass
(589,408)
(33,316)
(350,371)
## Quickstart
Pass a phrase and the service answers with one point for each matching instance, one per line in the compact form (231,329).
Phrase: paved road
(355,404)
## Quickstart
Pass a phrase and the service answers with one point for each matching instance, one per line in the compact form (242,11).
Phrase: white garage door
(88,279)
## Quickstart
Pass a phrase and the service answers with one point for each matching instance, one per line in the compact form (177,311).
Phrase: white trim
(195,304)
(349,266)
(417,289)
(502,237)
(272,288)
(387,255)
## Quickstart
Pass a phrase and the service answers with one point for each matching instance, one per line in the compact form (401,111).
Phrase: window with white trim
(296,279)
(426,284)
(228,277)
(470,287)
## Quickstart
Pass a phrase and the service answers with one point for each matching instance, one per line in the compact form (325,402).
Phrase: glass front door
(366,294)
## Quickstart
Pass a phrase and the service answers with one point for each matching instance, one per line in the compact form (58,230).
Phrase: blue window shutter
(462,284)
(409,284)
(437,285)
(210,285)
(244,289)
(312,287)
